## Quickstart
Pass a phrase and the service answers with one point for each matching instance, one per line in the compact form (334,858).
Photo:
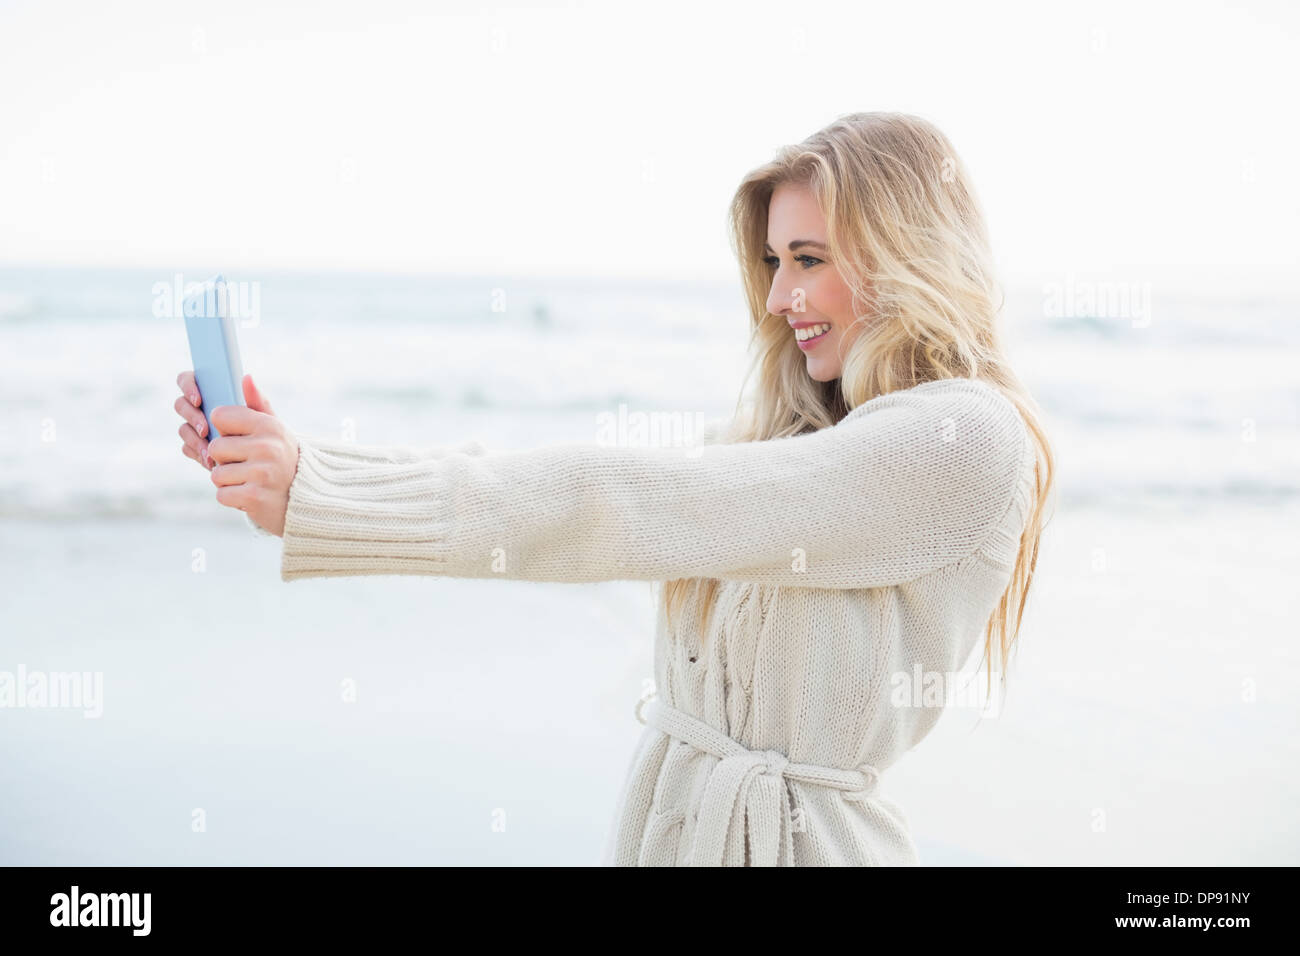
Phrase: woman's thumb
(254,399)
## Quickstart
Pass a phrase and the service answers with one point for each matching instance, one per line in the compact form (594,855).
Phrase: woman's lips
(811,343)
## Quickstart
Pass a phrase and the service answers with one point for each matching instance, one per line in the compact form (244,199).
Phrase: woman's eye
(808,261)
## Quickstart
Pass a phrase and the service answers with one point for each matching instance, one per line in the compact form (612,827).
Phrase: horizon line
(1021,277)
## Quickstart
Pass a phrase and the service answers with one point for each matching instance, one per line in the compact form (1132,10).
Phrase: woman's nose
(780,300)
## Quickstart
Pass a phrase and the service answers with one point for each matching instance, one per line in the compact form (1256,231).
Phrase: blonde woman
(874,509)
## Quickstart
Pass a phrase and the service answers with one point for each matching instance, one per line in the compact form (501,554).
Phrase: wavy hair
(908,237)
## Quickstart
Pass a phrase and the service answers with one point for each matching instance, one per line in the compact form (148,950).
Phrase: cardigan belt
(746,797)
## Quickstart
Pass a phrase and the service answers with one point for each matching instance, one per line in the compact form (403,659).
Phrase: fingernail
(194,397)
(202,428)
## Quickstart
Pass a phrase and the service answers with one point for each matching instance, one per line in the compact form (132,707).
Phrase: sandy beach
(224,692)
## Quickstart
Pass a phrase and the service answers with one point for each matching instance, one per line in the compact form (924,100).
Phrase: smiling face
(807,290)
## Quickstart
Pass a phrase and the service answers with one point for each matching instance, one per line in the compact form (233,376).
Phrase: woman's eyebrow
(800,243)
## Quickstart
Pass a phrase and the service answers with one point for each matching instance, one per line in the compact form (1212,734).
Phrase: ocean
(1150,709)
(1198,405)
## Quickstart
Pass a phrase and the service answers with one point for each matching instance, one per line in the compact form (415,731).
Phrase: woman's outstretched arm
(905,484)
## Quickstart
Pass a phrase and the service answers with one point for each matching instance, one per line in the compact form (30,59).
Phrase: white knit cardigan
(848,556)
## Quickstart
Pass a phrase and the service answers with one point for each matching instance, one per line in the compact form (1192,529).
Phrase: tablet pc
(214,348)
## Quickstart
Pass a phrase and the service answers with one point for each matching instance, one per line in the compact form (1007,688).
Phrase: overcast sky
(606,139)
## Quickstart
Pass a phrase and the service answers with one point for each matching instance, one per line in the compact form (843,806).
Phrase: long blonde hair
(907,235)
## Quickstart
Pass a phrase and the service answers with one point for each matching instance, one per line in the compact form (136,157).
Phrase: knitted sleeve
(345,455)
(904,484)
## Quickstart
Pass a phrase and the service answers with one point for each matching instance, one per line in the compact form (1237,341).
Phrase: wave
(1192,323)
(19,307)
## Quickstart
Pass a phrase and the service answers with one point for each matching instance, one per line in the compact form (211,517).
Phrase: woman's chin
(821,371)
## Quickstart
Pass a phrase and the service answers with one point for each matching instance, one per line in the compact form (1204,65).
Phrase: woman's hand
(254,459)
(194,430)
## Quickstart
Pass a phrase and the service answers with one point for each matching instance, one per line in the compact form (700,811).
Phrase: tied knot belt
(746,796)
